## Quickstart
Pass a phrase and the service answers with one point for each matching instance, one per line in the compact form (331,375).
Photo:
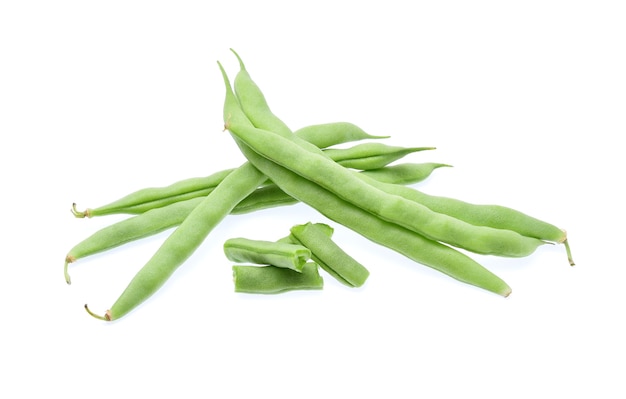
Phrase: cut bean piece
(279,254)
(273,280)
(326,253)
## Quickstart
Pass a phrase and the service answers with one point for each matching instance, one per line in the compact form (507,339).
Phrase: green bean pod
(494,216)
(406,242)
(273,280)
(280,146)
(149,223)
(153,197)
(370,155)
(329,134)
(404,173)
(261,252)
(341,181)
(162,218)
(329,256)
(149,198)
(187,237)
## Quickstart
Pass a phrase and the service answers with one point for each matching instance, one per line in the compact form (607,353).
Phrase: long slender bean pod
(370,155)
(281,146)
(496,216)
(154,197)
(406,242)
(187,237)
(162,218)
(393,208)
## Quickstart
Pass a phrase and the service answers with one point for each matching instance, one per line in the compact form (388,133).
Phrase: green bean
(149,198)
(329,256)
(495,216)
(261,252)
(154,196)
(412,215)
(149,223)
(273,280)
(253,103)
(329,134)
(404,173)
(281,146)
(160,219)
(370,155)
(187,237)
(408,243)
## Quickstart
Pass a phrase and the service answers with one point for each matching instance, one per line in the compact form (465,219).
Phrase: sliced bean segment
(273,280)
(329,256)
(279,254)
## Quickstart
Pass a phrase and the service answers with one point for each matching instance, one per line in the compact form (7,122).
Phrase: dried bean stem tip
(79,214)
(106,317)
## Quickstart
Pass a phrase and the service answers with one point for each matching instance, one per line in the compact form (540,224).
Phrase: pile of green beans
(358,187)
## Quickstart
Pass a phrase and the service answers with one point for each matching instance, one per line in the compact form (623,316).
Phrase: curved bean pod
(280,146)
(495,216)
(187,237)
(342,182)
(154,196)
(162,218)
(406,242)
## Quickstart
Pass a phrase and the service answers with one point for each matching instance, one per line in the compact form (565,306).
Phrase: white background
(525,99)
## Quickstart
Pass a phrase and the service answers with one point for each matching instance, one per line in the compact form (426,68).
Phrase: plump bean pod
(371,155)
(273,280)
(261,252)
(329,256)
(408,243)
(495,216)
(414,216)
(404,173)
